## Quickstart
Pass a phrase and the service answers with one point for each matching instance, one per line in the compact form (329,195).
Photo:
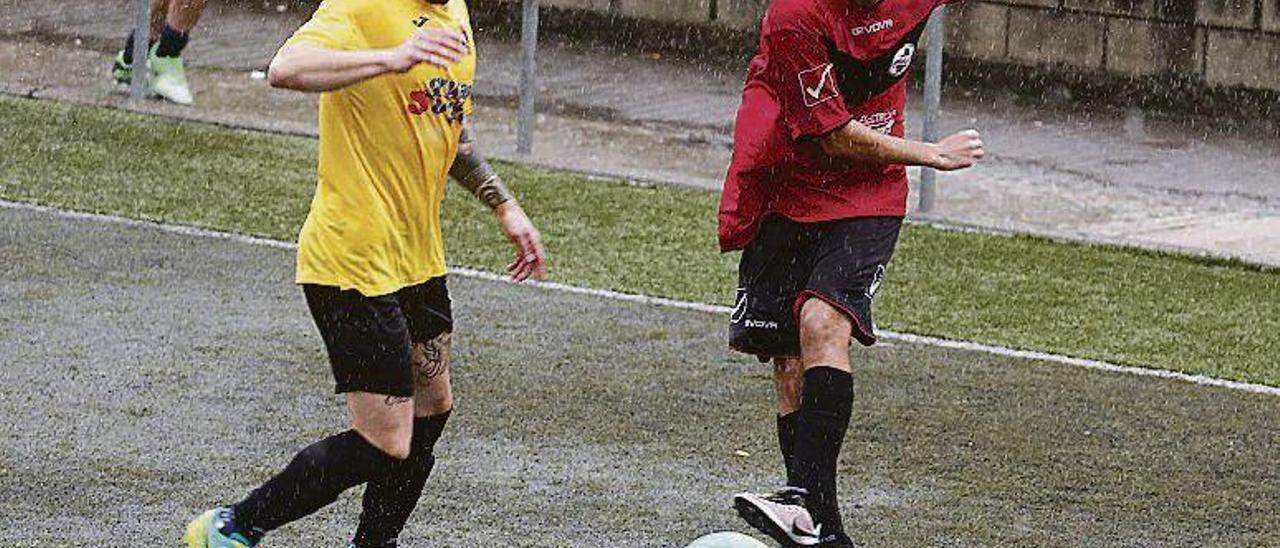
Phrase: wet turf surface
(1119,305)
(149,375)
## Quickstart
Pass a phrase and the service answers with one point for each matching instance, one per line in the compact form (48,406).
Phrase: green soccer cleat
(121,71)
(169,78)
(203,532)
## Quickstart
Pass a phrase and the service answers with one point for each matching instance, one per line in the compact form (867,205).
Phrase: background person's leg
(124,61)
(168,71)
(181,15)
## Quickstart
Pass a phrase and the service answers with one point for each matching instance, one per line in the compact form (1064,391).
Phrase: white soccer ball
(727,539)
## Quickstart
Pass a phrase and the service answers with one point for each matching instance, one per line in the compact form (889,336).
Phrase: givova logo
(873,27)
(739,314)
(442,97)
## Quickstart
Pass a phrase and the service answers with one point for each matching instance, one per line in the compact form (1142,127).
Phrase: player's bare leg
(788,380)
(824,336)
(825,407)
(815,397)
(386,422)
(389,501)
(180,15)
(378,443)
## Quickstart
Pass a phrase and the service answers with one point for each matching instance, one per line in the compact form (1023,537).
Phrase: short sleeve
(806,83)
(329,27)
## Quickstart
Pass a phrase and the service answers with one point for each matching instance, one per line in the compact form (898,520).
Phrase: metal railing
(141,38)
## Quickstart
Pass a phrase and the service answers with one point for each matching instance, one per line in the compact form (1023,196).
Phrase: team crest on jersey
(818,85)
(441,97)
(902,60)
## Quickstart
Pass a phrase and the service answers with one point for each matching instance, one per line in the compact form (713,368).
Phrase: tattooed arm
(475,174)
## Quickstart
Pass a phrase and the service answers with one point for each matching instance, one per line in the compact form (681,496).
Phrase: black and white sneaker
(780,515)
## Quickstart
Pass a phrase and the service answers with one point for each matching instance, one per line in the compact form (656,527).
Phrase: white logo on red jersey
(818,85)
(882,122)
(902,60)
(873,27)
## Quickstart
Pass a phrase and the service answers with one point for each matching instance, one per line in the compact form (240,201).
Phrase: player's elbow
(281,75)
(832,145)
(283,72)
(841,144)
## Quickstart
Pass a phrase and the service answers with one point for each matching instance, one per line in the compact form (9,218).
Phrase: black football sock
(128,48)
(172,42)
(389,500)
(826,404)
(787,443)
(314,478)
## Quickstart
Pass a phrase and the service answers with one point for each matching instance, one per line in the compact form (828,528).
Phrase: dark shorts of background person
(841,262)
(370,339)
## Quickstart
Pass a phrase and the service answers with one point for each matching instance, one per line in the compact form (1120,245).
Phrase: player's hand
(959,151)
(436,46)
(531,258)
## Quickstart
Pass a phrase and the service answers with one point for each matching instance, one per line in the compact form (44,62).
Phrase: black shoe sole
(757,519)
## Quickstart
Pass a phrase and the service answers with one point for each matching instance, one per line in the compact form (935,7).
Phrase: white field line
(685,305)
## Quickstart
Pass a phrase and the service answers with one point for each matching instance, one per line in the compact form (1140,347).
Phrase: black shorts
(841,262)
(370,339)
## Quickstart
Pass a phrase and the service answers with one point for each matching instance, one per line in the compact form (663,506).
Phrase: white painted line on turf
(673,303)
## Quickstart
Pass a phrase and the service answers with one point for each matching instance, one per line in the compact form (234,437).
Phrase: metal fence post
(141,42)
(932,106)
(528,77)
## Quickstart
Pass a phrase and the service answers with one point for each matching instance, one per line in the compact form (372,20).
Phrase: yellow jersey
(386,146)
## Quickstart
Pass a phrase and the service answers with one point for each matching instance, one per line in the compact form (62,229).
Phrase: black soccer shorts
(841,262)
(370,339)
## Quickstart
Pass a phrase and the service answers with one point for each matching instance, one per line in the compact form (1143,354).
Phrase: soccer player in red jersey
(815,198)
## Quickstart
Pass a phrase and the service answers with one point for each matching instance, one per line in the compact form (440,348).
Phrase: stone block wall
(1218,43)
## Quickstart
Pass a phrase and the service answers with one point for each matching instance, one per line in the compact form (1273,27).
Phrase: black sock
(787,443)
(172,42)
(314,478)
(826,404)
(128,48)
(390,500)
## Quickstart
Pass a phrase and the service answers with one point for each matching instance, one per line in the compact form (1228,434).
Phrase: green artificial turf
(1211,317)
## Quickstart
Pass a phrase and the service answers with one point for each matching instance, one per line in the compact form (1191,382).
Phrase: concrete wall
(1219,43)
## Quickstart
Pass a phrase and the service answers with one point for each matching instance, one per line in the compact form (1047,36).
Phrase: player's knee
(432,406)
(822,325)
(397,443)
(397,446)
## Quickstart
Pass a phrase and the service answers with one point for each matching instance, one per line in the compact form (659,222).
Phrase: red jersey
(822,63)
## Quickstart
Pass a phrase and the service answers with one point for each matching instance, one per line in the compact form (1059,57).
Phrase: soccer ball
(727,539)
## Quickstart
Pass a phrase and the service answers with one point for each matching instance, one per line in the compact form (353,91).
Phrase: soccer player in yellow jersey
(396,79)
